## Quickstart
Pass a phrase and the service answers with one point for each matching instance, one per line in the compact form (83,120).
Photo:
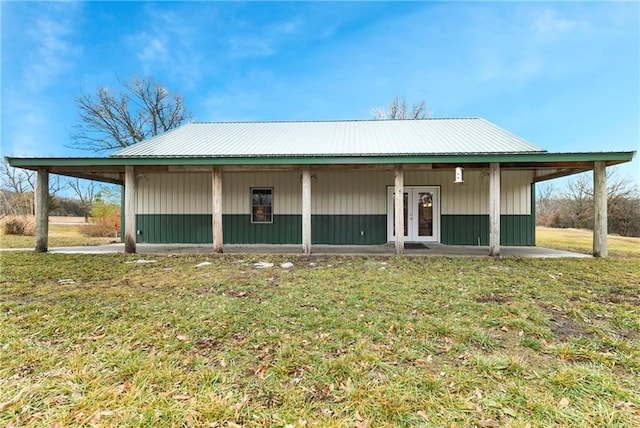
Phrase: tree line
(572,206)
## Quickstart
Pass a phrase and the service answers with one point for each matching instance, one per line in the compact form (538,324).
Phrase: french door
(421,214)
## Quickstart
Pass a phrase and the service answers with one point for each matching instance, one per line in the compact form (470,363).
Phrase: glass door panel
(425,213)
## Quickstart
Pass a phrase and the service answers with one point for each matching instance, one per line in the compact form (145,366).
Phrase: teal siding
(466,229)
(285,229)
(325,229)
(517,230)
(174,228)
(349,229)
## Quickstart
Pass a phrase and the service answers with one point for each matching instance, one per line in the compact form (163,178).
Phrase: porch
(422,250)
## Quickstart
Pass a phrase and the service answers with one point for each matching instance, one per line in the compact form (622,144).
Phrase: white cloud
(548,21)
(152,49)
(258,41)
(167,44)
(56,48)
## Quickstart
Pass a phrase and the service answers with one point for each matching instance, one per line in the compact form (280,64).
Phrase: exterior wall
(348,207)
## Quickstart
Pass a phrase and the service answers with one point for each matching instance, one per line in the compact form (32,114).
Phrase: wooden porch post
(42,211)
(600,248)
(217,209)
(129,209)
(399,209)
(494,209)
(306,209)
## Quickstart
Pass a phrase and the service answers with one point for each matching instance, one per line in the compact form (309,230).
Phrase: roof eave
(453,158)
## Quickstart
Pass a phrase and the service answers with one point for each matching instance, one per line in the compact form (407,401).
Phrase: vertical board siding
(287,191)
(332,192)
(466,229)
(175,207)
(174,229)
(174,193)
(349,229)
(349,192)
(515,192)
(285,229)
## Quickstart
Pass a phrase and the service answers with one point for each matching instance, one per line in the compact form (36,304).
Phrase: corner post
(399,209)
(217,210)
(494,209)
(600,247)
(42,211)
(306,209)
(129,209)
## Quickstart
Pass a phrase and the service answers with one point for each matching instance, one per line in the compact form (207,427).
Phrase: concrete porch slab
(385,249)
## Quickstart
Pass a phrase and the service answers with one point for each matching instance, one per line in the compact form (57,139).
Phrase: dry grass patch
(581,240)
(333,341)
(60,235)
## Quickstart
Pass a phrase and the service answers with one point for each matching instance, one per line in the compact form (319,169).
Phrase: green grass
(341,341)
(581,240)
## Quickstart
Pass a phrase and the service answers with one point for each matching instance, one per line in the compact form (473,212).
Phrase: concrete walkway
(386,249)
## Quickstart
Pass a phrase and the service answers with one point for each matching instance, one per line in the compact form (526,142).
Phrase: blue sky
(563,75)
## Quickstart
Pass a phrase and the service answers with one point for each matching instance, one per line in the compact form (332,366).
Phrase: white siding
(349,192)
(174,193)
(332,192)
(515,192)
(287,191)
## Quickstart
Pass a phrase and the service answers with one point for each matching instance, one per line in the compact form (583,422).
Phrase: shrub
(19,226)
(100,228)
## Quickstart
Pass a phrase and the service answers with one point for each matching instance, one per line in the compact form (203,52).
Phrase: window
(261,205)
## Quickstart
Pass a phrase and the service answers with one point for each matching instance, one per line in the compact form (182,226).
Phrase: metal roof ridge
(426,119)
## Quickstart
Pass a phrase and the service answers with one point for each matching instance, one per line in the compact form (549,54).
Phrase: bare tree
(545,203)
(579,197)
(573,207)
(109,121)
(17,190)
(86,192)
(398,109)
(18,187)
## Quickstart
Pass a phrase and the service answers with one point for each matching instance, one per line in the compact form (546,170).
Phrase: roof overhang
(111,169)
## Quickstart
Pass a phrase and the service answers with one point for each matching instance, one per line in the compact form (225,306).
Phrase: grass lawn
(581,240)
(60,235)
(105,340)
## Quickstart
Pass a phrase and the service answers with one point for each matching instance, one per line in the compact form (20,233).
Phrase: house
(461,181)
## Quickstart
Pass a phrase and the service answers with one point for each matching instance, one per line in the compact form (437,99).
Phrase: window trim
(251,212)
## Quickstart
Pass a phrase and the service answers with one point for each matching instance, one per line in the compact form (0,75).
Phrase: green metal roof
(364,138)
(516,158)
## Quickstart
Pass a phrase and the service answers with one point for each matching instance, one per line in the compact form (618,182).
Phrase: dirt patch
(492,298)
(208,345)
(565,328)
(619,295)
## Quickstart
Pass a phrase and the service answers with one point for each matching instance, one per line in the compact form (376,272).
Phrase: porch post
(42,211)
(129,209)
(217,209)
(494,209)
(399,209)
(600,209)
(306,209)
